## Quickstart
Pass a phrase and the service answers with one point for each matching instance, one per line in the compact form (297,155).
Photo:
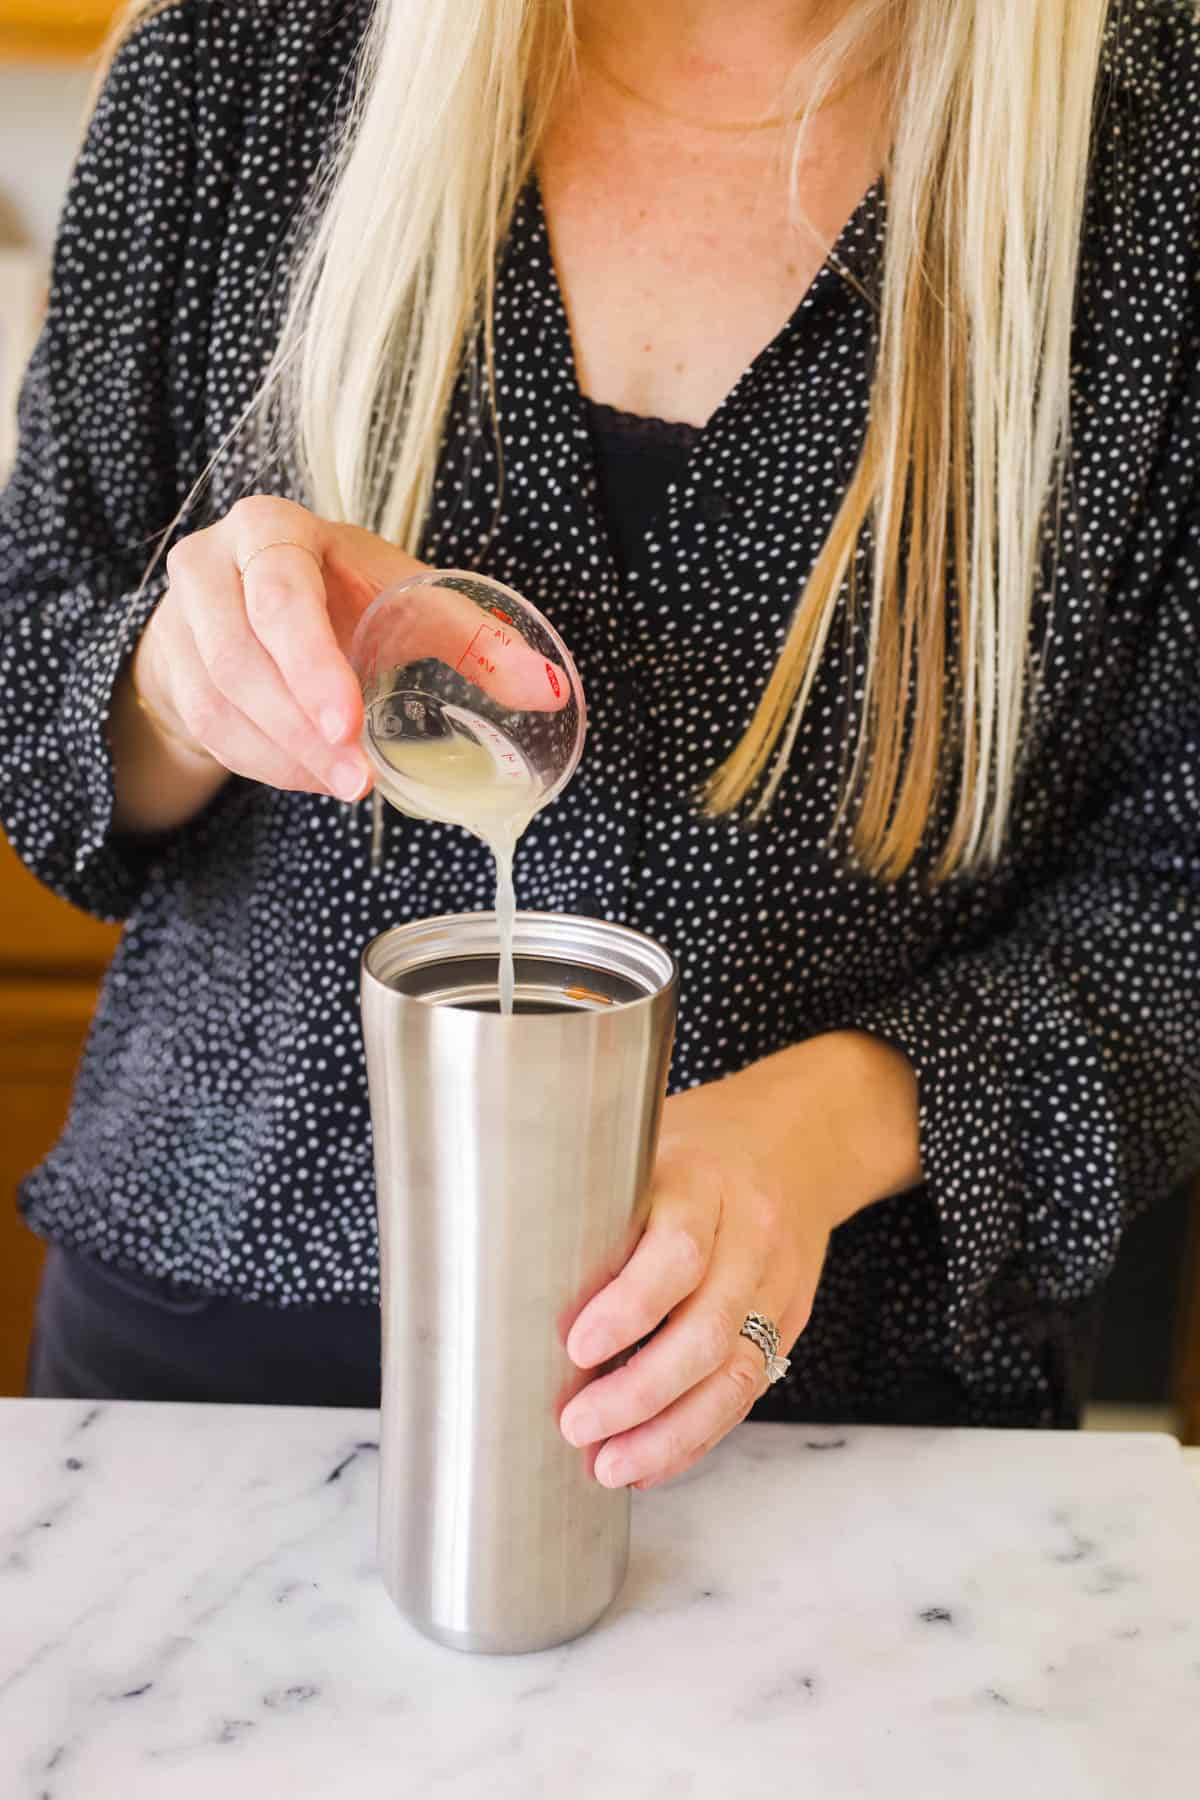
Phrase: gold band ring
(281,544)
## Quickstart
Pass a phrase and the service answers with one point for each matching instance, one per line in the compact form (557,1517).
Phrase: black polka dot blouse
(220,1131)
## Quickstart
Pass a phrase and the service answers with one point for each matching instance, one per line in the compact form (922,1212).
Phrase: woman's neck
(706,56)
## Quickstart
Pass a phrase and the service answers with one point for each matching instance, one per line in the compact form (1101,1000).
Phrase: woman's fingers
(721,1242)
(207,590)
(212,720)
(698,1340)
(283,591)
(671,1260)
(679,1436)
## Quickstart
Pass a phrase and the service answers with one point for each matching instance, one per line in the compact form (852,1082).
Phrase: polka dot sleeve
(1057,1071)
(96,476)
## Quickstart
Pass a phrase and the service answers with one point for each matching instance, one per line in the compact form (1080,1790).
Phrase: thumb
(358,567)
(429,620)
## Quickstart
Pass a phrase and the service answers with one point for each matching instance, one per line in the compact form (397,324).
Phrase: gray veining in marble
(188,1607)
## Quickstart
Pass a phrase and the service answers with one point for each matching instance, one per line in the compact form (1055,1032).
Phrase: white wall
(41,111)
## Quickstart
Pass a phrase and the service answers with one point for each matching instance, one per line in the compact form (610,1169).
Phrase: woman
(910,574)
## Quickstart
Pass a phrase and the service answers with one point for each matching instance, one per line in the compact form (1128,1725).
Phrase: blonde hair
(990,131)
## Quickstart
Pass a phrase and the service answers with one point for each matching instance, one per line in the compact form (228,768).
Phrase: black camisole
(637,459)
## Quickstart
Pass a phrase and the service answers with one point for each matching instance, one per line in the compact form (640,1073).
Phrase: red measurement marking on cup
(552,678)
(462,659)
(482,654)
(497,613)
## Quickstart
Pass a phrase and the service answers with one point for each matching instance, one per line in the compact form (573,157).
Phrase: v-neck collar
(854,261)
(544,503)
(531,296)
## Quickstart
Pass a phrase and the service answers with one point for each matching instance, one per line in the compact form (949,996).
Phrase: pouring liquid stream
(492,792)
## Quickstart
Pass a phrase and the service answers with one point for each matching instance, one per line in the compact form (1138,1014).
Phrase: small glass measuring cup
(474,711)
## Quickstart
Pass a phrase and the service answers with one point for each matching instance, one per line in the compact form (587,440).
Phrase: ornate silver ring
(764,1334)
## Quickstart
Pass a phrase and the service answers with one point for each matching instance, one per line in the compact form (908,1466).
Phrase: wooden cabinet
(41,936)
(36,30)
(51,961)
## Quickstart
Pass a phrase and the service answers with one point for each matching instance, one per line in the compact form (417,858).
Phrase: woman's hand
(753,1174)
(251,669)
(243,667)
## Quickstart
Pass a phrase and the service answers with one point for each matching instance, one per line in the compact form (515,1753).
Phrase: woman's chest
(677,269)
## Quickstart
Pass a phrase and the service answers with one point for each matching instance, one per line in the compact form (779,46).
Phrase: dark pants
(106,1334)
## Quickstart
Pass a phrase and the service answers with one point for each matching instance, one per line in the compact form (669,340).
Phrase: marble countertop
(188,1607)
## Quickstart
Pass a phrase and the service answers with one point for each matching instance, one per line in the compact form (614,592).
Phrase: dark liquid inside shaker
(543,985)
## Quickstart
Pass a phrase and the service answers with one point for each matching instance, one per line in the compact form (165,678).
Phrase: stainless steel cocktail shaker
(513,1158)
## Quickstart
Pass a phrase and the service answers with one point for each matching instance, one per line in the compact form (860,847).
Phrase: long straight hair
(989,132)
